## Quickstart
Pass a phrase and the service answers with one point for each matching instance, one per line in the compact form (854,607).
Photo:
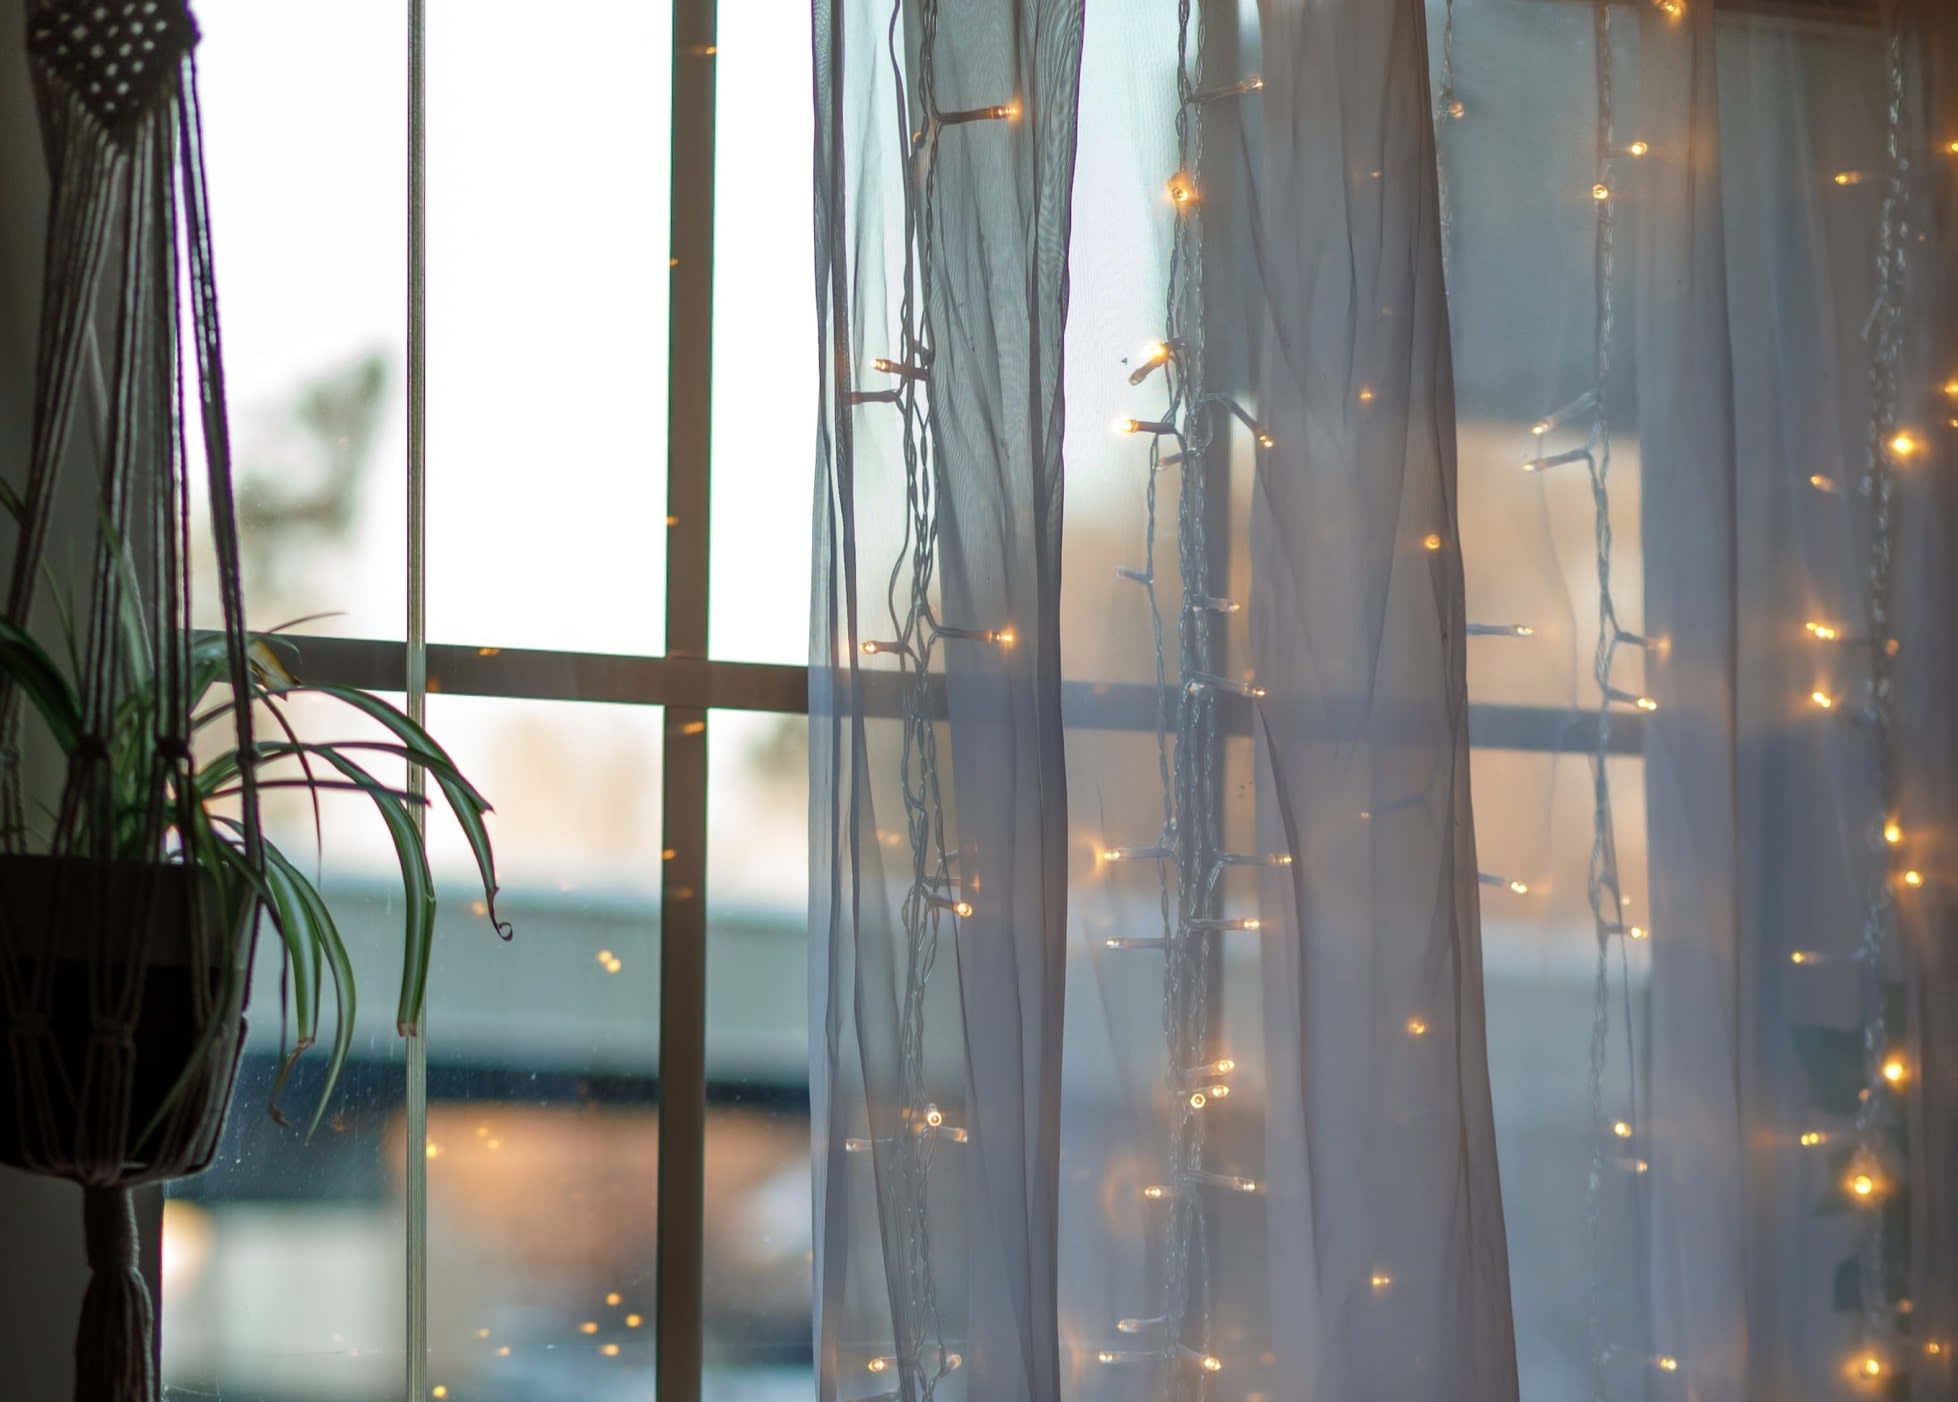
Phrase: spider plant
(119,817)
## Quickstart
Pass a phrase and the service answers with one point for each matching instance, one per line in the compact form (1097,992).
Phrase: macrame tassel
(112,1346)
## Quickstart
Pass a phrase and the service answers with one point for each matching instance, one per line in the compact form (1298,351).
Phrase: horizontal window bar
(533,674)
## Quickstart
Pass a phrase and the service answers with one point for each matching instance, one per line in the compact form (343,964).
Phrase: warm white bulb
(1622,1130)
(1822,699)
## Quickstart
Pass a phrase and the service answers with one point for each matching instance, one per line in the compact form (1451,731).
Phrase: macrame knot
(117,57)
(173,747)
(112,1346)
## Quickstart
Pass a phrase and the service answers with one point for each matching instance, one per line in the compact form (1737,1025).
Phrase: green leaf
(1833,1059)
(465,802)
(417,884)
(325,935)
(27,662)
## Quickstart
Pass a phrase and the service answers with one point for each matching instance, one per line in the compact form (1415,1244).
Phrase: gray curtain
(1171,1012)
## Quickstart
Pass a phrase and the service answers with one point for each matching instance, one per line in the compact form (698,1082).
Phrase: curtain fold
(944,159)
(1388,1267)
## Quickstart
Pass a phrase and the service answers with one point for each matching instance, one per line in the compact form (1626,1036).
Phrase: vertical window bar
(417,1049)
(683,922)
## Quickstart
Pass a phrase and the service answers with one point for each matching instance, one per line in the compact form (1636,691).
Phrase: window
(569,1111)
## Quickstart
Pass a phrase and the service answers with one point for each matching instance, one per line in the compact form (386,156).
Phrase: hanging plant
(132,884)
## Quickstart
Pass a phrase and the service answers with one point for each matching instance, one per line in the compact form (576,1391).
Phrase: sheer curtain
(1173,1016)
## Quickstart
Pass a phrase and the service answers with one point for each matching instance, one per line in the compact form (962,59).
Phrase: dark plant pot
(79,920)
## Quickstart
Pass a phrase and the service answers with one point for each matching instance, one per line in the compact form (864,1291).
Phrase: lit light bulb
(1667,1363)
(1601,191)
(1637,148)
(1848,177)
(633,1321)
(1862,1185)
(1521,888)
(1540,427)
(877,1365)
(1811,1137)
(1621,1129)
(1646,703)
(1197,1100)
(1892,832)
(1637,932)
(1894,1069)
(1951,389)
(1822,699)
(1821,483)
(1181,192)
(1825,631)
(1212,1364)
(1431,542)
(962,908)
(1265,440)
(1005,637)
(1871,1366)
(1155,1192)
(1913,878)
(1366,395)
(1672,9)
(934,1116)
(609,1350)
(1105,1356)
(1381,1280)
(1902,446)
(590,1326)
(1416,1027)
(1934,1348)
(612,1298)
(1130,1326)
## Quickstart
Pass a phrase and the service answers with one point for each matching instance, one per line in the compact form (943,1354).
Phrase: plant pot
(79,924)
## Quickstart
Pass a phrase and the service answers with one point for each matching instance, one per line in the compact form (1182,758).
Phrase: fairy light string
(921,1354)
(1885,444)
(1603,884)
(1188,851)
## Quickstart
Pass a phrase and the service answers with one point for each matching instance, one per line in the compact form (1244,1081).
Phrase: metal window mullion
(683,922)
(416,1148)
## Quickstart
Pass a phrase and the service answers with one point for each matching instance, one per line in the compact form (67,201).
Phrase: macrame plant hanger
(123,960)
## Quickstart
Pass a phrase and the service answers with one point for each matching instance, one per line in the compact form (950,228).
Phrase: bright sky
(547,223)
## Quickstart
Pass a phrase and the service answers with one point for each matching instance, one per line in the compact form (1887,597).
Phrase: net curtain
(1149,1050)
(1228,831)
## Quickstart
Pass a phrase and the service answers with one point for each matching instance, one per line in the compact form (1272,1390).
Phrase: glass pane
(543,1057)
(282,1264)
(308,213)
(547,299)
(758,1238)
(764,346)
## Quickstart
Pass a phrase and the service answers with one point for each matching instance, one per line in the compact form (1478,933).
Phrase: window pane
(757,1322)
(764,344)
(543,1058)
(308,210)
(282,1264)
(547,300)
